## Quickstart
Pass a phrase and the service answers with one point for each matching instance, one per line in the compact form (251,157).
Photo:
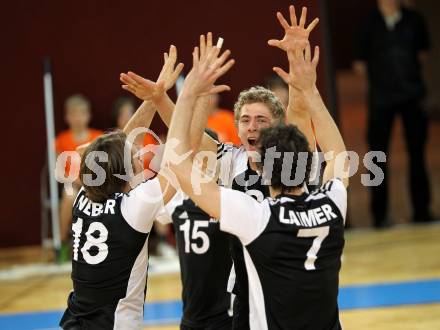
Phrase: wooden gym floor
(390,280)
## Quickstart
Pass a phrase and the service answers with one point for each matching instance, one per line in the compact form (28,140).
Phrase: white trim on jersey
(242,216)
(233,161)
(165,214)
(140,206)
(129,313)
(257,306)
(231,279)
(336,191)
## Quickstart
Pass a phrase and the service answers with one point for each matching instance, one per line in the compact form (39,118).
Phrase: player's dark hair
(286,139)
(113,145)
(275,81)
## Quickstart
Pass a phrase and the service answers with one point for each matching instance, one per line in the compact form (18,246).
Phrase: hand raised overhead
(148,90)
(295,35)
(302,75)
(208,66)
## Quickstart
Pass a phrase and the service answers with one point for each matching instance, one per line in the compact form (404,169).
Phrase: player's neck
(293,192)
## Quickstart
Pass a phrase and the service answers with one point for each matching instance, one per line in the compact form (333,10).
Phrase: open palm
(148,90)
(296,34)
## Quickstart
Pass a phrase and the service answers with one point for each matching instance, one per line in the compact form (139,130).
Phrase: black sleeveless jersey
(292,251)
(110,256)
(205,264)
(248,182)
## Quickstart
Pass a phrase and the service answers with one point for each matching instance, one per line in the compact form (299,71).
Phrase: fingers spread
(219,62)
(312,25)
(209,41)
(176,74)
(128,80)
(129,88)
(302,20)
(212,56)
(219,89)
(293,20)
(283,21)
(138,79)
(316,56)
(202,46)
(225,68)
(173,53)
(283,74)
(274,43)
(196,57)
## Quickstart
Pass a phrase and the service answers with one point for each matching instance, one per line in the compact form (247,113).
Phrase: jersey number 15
(196,234)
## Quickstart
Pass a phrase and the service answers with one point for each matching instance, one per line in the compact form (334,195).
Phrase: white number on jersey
(99,242)
(195,235)
(320,233)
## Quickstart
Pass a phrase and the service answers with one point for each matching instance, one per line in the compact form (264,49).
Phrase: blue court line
(169,312)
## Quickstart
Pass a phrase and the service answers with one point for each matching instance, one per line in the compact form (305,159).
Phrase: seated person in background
(222,122)
(77,117)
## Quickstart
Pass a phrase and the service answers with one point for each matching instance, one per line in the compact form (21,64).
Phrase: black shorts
(80,317)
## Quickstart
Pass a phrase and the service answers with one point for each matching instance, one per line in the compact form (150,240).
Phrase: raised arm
(296,36)
(326,131)
(201,140)
(199,82)
(141,118)
(156,92)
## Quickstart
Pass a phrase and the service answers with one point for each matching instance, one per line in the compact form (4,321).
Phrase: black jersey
(205,264)
(110,256)
(250,183)
(292,251)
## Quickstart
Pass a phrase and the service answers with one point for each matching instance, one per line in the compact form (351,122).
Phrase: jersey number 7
(320,233)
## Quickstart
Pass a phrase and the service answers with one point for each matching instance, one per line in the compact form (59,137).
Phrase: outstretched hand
(208,66)
(302,75)
(148,90)
(295,35)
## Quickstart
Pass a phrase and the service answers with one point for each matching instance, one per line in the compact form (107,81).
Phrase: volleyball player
(205,263)
(293,241)
(112,217)
(256,108)
(203,249)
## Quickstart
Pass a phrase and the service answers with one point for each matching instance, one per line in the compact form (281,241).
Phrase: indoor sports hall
(64,55)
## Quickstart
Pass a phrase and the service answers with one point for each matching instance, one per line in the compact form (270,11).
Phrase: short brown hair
(113,144)
(77,100)
(259,94)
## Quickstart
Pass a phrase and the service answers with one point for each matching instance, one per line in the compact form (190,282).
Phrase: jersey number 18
(98,242)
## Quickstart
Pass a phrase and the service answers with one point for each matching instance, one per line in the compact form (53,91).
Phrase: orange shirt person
(77,117)
(222,122)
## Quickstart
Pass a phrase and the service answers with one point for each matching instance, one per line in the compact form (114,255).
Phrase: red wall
(90,43)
